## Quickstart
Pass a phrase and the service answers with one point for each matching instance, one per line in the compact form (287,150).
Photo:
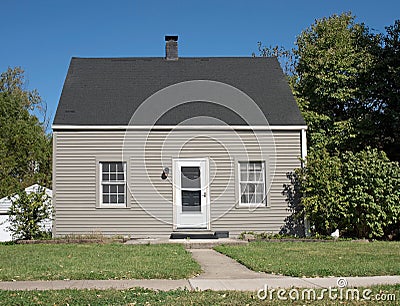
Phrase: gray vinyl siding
(149,210)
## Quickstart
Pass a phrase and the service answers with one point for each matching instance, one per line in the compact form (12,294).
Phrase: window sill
(259,205)
(113,206)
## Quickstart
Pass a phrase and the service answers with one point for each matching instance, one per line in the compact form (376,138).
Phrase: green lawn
(176,297)
(95,261)
(342,258)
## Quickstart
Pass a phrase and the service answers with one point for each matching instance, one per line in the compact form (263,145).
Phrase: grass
(342,258)
(95,261)
(138,296)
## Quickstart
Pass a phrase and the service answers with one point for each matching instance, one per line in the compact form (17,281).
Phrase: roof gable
(108,91)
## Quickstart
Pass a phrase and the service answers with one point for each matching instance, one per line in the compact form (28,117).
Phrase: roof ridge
(183,57)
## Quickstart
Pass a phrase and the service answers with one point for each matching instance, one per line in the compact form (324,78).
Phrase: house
(5,204)
(147,147)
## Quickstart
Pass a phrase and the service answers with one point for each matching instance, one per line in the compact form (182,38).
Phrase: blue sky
(41,36)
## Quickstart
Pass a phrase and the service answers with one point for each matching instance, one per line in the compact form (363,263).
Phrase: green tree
(346,81)
(27,213)
(25,148)
(383,92)
(333,57)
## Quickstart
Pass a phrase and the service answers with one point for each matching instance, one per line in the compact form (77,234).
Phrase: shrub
(27,213)
(372,193)
(322,184)
(359,193)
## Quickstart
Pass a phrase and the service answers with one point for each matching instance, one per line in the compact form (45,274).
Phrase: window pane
(190,177)
(121,188)
(244,199)
(105,177)
(251,188)
(121,199)
(113,199)
(191,201)
(191,173)
(113,188)
(257,166)
(243,174)
(252,199)
(120,176)
(113,167)
(120,167)
(251,175)
(106,199)
(259,197)
(105,167)
(251,171)
(113,177)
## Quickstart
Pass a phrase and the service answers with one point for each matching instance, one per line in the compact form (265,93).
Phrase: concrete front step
(204,234)
(197,236)
(190,243)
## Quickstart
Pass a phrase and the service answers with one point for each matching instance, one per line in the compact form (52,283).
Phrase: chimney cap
(171,37)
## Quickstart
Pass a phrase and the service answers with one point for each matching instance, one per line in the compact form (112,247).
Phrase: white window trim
(265,202)
(101,183)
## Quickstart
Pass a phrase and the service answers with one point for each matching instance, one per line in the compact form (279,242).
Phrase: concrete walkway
(155,284)
(190,243)
(219,273)
(253,284)
(223,273)
(218,266)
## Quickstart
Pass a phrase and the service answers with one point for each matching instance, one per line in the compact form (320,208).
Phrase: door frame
(175,162)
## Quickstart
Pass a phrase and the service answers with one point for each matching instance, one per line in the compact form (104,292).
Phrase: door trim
(174,195)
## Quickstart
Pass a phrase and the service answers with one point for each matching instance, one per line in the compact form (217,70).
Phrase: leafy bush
(359,193)
(372,193)
(321,184)
(27,213)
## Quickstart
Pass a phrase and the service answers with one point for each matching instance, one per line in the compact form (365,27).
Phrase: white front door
(191,195)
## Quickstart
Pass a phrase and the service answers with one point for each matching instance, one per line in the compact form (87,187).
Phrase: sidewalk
(220,273)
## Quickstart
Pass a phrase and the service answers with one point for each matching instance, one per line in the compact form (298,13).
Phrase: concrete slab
(255,284)
(244,284)
(223,273)
(190,243)
(155,284)
(366,281)
(218,266)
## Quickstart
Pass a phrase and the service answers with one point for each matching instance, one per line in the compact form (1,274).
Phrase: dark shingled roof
(107,91)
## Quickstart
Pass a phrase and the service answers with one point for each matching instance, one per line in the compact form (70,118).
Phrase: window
(252,183)
(113,183)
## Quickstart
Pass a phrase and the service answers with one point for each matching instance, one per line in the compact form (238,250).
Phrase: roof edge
(58,127)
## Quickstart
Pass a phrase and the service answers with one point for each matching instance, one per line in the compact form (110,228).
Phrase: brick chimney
(171,47)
